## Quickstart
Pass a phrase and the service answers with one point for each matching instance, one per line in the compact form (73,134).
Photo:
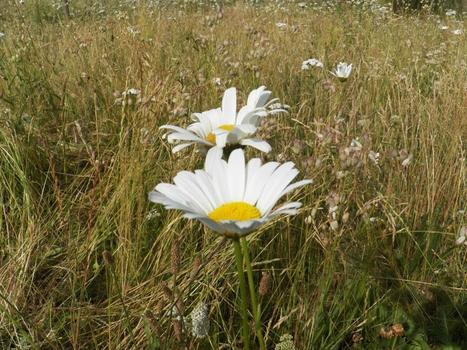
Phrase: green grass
(76,167)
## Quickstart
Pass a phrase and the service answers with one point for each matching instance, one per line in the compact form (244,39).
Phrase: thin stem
(254,303)
(241,278)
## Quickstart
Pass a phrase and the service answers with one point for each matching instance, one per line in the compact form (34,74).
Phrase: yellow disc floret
(235,211)
(211,138)
(227,127)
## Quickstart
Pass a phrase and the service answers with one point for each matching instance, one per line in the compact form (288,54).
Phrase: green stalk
(241,278)
(254,302)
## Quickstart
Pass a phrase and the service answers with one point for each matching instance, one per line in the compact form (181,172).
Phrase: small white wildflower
(308,220)
(356,145)
(451,13)
(444,27)
(281,25)
(406,162)
(302,5)
(2,35)
(374,157)
(200,321)
(312,62)
(373,219)
(334,225)
(217,81)
(131,92)
(462,236)
(342,71)
(457,32)
(152,215)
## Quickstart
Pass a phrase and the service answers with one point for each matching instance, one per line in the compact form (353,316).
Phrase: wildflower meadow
(202,174)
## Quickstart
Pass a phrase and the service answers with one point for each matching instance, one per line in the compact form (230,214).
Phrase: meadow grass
(86,261)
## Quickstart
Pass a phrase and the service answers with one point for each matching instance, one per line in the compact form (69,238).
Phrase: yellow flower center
(236,211)
(211,138)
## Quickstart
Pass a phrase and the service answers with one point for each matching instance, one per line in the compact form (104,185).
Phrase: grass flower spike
(342,71)
(231,197)
(224,126)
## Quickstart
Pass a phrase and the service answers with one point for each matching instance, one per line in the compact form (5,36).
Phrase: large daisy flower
(224,126)
(231,197)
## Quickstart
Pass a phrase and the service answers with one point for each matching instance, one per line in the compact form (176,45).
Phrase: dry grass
(76,166)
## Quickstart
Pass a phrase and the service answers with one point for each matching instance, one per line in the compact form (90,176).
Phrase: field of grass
(371,260)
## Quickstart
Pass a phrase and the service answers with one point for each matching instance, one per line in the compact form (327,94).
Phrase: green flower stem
(254,302)
(241,278)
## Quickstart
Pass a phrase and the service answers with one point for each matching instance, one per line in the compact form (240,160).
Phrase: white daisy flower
(342,71)
(224,126)
(281,25)
(312,62)
(457,32)
(231,197)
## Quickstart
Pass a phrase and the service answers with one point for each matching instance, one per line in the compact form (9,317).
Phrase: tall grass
(85,259)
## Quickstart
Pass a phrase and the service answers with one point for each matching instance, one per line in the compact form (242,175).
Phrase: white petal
(236,175)
(188,183)
(263,146)
(181,146)
(213,159)
(256,185)
(295,185)
(277,182)
(229,106)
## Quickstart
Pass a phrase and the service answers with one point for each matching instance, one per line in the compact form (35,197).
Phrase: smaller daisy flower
(224,126)
(457,32)
(312,62)
(342,71)
(231,197)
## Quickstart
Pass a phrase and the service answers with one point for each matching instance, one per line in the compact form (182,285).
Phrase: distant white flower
(342,71)
(281,25)
(131,92)
(457,32)
(302,5)
(451,13)
(462,236)
(312,62)
(217,81)
(444,27)
(224,126)
(2,35)
(406,162)
(374,157)
(231,197)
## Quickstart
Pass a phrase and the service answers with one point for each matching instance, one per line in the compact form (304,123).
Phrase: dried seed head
(398,330)
(175,258)
(153,323)
(200,320)
(167,292)
(178,329)
(386,333)
(196,266)
(108,258)
(264,283)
